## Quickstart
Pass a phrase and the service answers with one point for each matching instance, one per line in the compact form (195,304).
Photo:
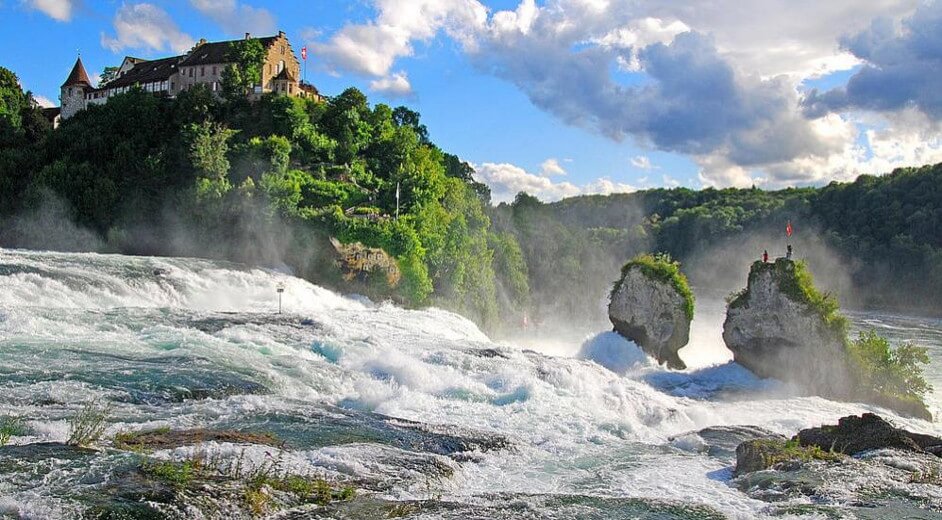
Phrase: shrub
(893,373)
(10,426)
(663,268)
(86,427)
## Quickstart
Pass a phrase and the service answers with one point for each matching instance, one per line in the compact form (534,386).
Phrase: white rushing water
(76,328)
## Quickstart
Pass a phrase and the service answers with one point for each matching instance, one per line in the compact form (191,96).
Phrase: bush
(896,374)
(86,427)
(10,426)
(665,269)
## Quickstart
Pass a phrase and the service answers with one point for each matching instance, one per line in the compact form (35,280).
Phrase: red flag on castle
(304,53)
(789,229)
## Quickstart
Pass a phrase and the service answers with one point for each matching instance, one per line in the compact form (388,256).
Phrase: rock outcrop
(649,307)
(854,435)
(775,331)
(851,436)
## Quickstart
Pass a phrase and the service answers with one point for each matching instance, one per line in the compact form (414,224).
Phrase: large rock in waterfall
(774,330)
(781,327)
(652,306)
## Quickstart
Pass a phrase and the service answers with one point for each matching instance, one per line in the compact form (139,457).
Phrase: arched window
(281,66)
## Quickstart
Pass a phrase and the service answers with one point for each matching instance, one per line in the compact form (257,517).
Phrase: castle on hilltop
(202,65)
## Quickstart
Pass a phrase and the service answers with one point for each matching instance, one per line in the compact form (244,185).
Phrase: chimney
(248,36)
(281,34)
(202,42)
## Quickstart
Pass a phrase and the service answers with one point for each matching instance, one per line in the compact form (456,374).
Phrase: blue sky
(562,97)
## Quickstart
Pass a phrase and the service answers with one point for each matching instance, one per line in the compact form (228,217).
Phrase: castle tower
(72,93)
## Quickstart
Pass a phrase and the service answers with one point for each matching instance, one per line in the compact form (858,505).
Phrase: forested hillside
(266,182)
(876,241)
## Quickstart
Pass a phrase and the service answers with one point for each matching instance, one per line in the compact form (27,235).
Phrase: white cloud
(642,162)
(236,18)
(373,48)
(507,180)
(146,26)
(394,86)
(56,9)
(44,101)
(551,167)
(720,82)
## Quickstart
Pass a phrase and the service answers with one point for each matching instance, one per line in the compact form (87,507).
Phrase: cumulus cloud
(901,67)
(146,26)
(716,81)
(373,48)
(56,9)
(551,167)
(507,180)
(237,18)
(394,86)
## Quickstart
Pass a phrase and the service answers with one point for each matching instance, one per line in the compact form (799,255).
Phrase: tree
(108,75)
(209,144)
(246,57)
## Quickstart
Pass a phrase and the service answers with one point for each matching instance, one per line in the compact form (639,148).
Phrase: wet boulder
(651,305)
(857,434)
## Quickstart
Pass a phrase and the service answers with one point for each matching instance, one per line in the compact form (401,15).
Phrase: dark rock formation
(854,435)
(651,313)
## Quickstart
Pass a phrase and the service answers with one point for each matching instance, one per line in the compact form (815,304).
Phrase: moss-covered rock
(652,305)
(782,327)
(762,454)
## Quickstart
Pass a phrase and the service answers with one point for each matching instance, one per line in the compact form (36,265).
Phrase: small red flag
(789,230)
(304,53)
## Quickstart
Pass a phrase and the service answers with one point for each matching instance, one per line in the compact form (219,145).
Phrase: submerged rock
(853,435)
(775,333)
(652,306)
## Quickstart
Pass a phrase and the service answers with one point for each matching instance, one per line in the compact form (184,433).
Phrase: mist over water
(183,343)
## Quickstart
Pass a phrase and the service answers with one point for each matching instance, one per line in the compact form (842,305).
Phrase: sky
(567,97)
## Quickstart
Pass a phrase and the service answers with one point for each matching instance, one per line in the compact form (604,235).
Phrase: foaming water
(185,343)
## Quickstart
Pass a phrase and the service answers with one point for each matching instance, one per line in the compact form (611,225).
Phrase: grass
(9,427)
(663,268)
(260,486)
(87,426)
(791,450)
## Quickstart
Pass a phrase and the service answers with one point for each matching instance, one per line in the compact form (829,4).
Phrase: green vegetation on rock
(663,268)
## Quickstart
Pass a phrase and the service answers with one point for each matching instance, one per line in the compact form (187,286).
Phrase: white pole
(281,290)
(397,200)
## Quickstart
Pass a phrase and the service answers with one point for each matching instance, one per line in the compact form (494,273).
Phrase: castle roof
(284,75)
(216,53)
(78,77)
(146,72)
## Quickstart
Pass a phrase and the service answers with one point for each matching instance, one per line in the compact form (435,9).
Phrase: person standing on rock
(788,252)
(765,256)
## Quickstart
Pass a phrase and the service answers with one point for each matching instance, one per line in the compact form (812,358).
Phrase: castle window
(202,71)
(282,49)
(214,86)
(191,72)
(214,70)
(281,66)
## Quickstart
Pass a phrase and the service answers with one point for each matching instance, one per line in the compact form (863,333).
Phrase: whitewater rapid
(76,328)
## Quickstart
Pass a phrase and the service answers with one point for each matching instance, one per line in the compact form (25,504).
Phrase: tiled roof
(147,72)
(78,77)
(217,52)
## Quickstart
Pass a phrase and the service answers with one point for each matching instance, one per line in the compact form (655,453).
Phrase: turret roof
(78,77)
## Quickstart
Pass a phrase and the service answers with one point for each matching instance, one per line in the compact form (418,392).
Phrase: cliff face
(775,331)
(652,313)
